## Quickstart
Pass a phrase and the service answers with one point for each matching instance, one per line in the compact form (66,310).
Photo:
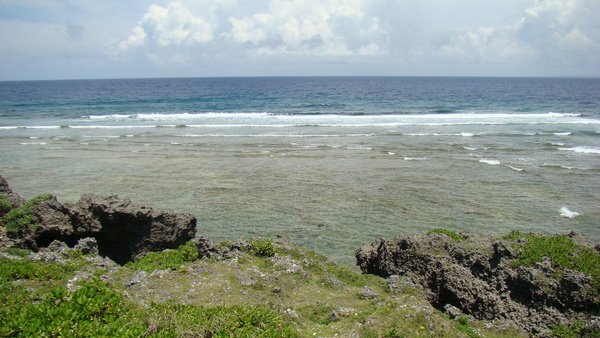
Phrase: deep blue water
(298,95)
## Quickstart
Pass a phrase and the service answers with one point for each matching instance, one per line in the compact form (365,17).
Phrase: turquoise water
(331,162)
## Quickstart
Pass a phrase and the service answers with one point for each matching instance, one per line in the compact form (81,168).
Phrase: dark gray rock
(452,311)
(121,229)
(477,277)
(207,249)
(12,197)
(88,246)
(591,328)
(126,230)
(55,252)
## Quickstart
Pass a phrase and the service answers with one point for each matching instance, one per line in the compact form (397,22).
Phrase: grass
(209,301)
(97,309)
(455,236)
(22,218)
(17,252)
(15,269)
(220,321)
(168,259)
(562,251)
(462,325)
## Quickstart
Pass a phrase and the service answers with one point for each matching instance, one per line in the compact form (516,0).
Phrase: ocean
(331,162)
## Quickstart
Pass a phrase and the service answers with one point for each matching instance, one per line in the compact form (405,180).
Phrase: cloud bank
(311,27)
(299,37)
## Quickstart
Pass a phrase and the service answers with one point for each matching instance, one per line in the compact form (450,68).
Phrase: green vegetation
(262,247)
(94,310)
(300,293)
(17,252)
(561,249)
(5,204)
(22,218)
(11,270)
(455,236)
(168,259)
(220,321)
(462,325)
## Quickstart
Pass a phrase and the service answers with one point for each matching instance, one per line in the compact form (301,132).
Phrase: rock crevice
(122,229)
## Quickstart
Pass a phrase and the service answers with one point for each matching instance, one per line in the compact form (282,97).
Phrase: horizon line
(309,76)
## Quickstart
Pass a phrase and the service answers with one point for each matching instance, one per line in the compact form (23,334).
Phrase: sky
(83,39)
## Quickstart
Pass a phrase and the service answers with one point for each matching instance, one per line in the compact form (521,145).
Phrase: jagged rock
(207,249)
(452,311)
(477,277)
(88,246)
(127,230)
(52,223)
(591,327)
(502,249)
(121,229)
(13,198)
(55,252)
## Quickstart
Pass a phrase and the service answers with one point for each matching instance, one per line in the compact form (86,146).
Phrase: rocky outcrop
(122,229)
(11,197)
(477,277)
(125,230)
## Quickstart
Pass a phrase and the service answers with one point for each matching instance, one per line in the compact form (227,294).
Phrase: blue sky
(45,39)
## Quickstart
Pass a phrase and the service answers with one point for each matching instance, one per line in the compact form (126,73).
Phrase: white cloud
(573,38)
(173,25)
(545,29)
(316,27)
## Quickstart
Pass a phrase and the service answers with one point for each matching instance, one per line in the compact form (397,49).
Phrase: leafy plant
(22,218)
(572,331)
(167,259)
(262,247)
(455,236)
(5,205)
(93,310)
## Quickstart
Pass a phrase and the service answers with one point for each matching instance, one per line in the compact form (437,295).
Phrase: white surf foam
(358,148)
(565,212)
(582,150)
(490,162)
(566,133)
(334,120)
(414,158)
(33,143)
(515,168)
(113,127)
